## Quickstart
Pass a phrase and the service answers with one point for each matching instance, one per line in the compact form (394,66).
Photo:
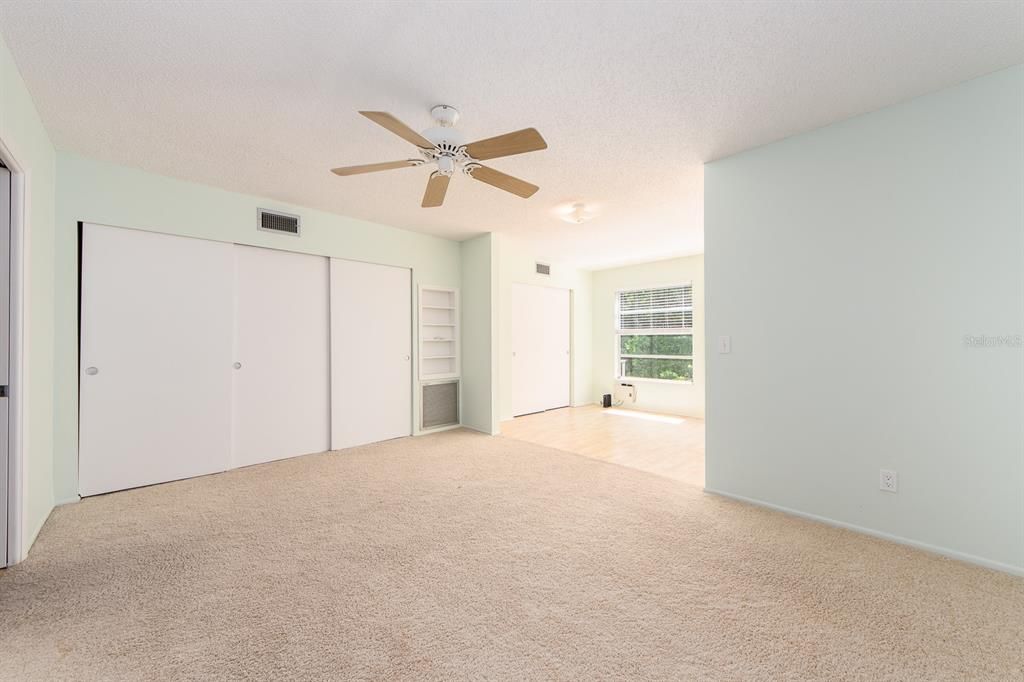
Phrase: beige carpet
(462,556)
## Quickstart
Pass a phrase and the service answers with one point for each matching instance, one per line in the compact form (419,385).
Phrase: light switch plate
(724,344)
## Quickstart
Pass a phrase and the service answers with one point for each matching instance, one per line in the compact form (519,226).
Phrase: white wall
(848,264)
(652,395)
(516,264)
(97,192)
(28,146)
(479,327)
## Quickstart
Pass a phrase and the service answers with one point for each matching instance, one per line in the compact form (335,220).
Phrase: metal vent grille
(440,405)
(543,269)
(282,223)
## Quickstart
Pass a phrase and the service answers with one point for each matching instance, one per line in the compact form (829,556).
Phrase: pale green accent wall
(97,192)
(655,396)
(479,322)
(516,264)
(849,265)
(22,133)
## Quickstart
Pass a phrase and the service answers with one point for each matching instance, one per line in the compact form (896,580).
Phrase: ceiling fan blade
(374,167)
(509,144)
(502,181)
(437,187)
(383,118)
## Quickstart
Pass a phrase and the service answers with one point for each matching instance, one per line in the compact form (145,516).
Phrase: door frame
(21,190)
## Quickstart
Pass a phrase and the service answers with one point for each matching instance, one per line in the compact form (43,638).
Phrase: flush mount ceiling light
(576,213)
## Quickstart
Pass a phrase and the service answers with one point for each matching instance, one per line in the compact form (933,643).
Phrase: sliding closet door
(155,382)
(540,348)
(371,348)
(282,355)
(556,344)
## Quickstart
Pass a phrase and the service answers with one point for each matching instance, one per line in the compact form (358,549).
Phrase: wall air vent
(543,269)
(440,405)
(275,221)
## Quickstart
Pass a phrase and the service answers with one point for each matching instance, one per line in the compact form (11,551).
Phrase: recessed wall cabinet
(439,333)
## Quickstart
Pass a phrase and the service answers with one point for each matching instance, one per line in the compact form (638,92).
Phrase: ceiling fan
(446,148)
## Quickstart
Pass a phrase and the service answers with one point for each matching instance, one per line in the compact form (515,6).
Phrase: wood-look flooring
(666,445)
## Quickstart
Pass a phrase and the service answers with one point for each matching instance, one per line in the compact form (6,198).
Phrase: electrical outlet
(889,481)
(724,344)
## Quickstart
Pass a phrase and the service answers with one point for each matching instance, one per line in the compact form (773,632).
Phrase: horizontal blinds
(665,308)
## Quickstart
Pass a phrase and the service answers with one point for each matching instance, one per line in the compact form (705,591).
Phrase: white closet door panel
(155,358)
(371,353)
(281,405)
(527,394)
(540,343)
(556,347)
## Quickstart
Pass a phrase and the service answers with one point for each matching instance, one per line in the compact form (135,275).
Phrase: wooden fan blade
(509,144)
(374,167)
(437,187)
(502,181)
(383,118)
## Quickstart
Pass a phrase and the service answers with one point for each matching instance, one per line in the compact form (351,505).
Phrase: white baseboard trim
(933,549)
(70,500)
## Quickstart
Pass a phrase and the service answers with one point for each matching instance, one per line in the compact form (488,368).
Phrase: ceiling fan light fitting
(445,115)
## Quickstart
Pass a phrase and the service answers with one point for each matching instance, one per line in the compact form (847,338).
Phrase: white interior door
(371,353)
(281,405)
(155,364)
(540,348)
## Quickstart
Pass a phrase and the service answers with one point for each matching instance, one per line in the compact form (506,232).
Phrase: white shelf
(438,313)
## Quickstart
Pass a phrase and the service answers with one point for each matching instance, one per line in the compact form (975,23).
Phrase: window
(654,333)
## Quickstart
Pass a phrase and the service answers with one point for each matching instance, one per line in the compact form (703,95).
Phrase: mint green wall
(479,322)
(654,396)
(848,265)
(25,139)
(97,192)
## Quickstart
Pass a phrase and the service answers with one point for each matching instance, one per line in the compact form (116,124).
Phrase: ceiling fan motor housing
(449,148)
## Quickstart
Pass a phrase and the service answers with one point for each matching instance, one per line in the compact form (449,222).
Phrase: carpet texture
(459,556)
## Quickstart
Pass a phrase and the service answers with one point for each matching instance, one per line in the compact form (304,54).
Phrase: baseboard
(933,549)
(70,500)
(486,432)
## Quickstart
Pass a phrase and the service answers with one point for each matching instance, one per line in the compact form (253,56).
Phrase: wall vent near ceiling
(275,221)
(440,405)
(543,269)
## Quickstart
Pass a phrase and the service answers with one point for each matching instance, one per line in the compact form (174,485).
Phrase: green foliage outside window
(657,368)
(655,344)
(652,368)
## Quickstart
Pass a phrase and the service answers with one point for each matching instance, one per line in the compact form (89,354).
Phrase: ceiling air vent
(543,269)
(274,221)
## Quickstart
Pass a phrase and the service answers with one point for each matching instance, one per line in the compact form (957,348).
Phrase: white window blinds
(665,308)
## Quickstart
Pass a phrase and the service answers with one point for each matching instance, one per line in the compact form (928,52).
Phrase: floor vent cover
(282,223)
(440,405)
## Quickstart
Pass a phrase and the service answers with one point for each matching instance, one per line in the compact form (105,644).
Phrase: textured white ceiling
(632,97)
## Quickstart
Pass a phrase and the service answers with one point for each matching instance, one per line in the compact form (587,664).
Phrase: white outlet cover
(888,480)
(724,344)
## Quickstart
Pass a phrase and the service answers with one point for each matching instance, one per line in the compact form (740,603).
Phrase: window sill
(640,380)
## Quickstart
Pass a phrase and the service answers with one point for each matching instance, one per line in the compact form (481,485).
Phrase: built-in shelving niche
(439,333)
